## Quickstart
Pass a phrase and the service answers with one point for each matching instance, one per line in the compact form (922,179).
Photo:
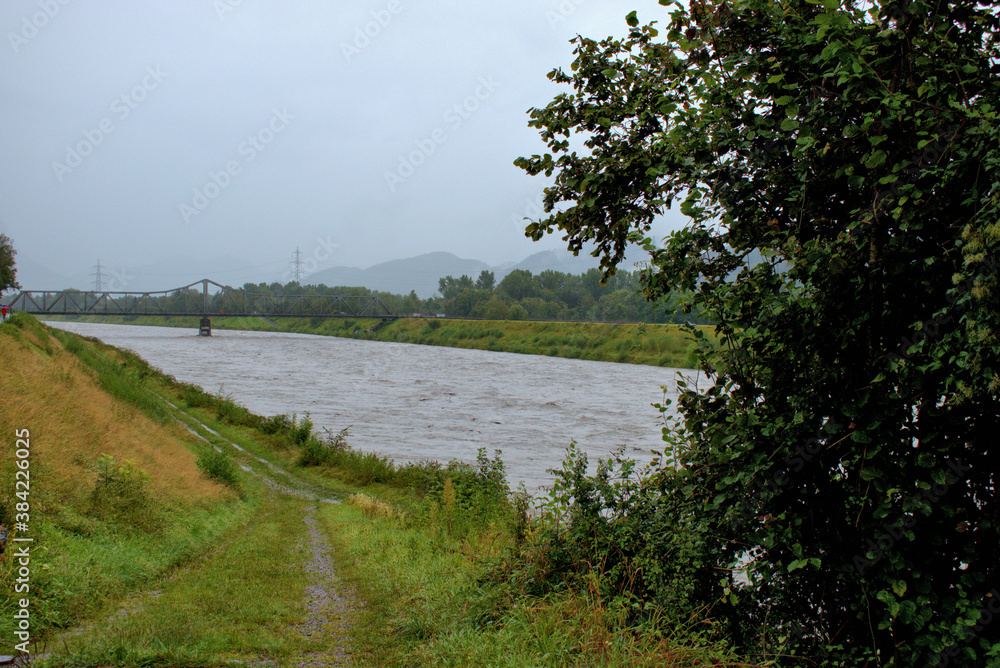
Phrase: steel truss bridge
(197,300)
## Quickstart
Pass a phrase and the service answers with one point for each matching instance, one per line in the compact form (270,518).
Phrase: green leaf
(875,158)
(868,474)
(797,564)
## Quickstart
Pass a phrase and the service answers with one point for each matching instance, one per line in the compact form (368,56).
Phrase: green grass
(433,600)
(241,599)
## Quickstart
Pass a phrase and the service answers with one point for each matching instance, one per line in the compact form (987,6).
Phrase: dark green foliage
(316,451)
(285,430)
(8,266)
(332,450)
(276,424)
(217,465)
(302,430)
(467,496)
(846,442)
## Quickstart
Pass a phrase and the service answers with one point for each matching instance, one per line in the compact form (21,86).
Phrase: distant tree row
(520,295)
(553,295)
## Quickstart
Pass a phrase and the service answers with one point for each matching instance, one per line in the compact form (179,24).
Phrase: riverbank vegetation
(161,538)
(835,497)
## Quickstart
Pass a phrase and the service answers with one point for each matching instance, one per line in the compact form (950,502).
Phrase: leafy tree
(450,287)
(494,309)
(518,284)
(486,280)
(8,267)
(411,303)
(551,280)
(847,444)
(465,302)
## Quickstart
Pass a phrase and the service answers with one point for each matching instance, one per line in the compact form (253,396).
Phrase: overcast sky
(137,131)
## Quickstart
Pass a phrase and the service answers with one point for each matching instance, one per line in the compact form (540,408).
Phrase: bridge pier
(205,329)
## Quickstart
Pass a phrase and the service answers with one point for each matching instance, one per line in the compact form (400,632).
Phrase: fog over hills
(419,274)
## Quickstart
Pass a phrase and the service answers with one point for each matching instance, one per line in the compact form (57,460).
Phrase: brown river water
(414,402)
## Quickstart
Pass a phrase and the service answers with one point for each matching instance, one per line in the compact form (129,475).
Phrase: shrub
(276,424)
(120,492)
(302,430)
(217,465)
(317,451)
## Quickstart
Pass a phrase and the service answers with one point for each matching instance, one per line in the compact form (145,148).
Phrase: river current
(414,402)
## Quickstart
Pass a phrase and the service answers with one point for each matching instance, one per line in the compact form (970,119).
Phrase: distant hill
(420,274)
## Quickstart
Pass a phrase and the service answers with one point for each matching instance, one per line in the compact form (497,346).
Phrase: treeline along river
(414,402)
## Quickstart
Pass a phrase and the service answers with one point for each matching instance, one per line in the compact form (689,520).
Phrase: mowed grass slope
(116,498)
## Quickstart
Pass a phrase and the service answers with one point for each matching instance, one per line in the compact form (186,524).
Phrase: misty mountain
(420,274)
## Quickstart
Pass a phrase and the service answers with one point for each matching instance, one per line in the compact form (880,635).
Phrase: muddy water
(420,402)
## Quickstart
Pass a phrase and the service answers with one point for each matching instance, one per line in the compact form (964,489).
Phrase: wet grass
(242,599)
(116,497)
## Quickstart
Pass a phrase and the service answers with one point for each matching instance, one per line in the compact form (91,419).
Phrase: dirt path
(327,602)
(327,607)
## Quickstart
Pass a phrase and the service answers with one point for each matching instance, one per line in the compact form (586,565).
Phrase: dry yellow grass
(73,421)
(371,506)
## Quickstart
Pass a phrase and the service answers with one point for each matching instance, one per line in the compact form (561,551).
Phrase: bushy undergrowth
(217,465)
(120,493)
(485,584)
(472,489)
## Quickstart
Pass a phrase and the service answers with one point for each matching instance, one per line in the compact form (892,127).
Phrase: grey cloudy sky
(140,131)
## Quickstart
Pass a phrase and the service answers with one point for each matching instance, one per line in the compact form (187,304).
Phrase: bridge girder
(187,300)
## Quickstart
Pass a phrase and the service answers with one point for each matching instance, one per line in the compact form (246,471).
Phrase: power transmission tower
(97,277)
(297,263)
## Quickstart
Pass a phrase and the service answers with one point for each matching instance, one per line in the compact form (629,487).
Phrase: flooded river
(414,402)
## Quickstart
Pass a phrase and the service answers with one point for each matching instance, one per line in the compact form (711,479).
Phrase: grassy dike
(153,546)
(656,345)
